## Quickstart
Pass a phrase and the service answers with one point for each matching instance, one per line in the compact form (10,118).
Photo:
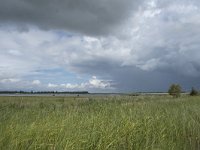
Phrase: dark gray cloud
(94,17)
(133,79)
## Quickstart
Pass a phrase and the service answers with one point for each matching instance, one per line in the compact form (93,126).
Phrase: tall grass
(115,122)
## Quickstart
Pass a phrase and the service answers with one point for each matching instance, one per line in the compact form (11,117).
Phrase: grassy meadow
(100,123)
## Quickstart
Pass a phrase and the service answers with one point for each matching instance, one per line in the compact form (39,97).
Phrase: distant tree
(194,92)
(175,90)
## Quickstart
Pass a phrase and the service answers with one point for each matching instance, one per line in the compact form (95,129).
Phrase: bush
(194,92)
(175,90)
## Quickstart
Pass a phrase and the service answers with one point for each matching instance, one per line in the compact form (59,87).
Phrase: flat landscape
(100,122)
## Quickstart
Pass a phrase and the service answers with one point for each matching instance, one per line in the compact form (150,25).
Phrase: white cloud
(97,83)
(14,52)
(10,80)
(36,82)
(50,85)
(93,83)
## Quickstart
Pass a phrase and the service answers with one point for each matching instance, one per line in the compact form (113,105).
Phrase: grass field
(114,122)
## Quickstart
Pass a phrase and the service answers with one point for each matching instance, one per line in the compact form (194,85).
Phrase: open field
(109,122)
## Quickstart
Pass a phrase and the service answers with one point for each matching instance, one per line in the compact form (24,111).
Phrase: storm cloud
(94,17)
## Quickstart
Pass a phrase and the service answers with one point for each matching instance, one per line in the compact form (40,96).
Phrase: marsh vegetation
(112,122)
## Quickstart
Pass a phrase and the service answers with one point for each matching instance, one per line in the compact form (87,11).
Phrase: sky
(99,45)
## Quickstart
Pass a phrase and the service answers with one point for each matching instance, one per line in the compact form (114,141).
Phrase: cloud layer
(139,46)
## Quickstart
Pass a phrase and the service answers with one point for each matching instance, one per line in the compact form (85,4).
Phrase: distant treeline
(43,92)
